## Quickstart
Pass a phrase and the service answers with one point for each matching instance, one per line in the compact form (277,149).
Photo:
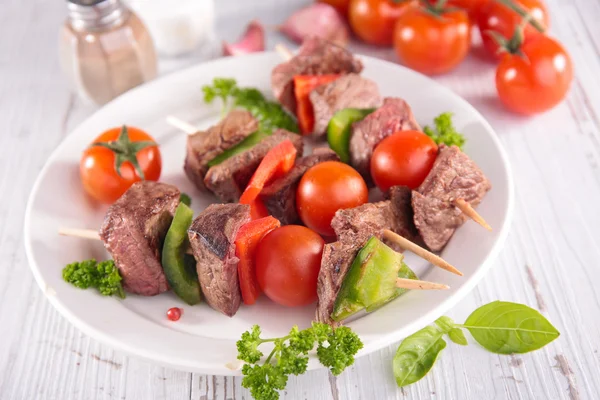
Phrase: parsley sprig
(103,276)
(336,349)
(444,131)
(269,114)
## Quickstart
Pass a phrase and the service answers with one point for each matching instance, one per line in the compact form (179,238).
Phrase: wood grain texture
(549,261)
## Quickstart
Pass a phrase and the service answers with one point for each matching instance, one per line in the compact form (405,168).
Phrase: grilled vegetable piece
(246,241)
(276,163)
(339,130)
(303,85)
(179,269)
(244,145)
(371,281)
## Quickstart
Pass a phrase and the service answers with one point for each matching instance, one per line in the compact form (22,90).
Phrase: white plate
(204,340)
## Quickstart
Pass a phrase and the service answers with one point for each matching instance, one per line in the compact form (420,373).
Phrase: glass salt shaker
(105,49)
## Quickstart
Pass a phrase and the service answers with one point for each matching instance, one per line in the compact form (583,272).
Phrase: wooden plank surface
(549,261)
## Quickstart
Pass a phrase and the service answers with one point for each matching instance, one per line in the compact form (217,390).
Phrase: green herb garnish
(103,276)
(185,199)
(269,114)
(336,349)
(444,131)
(500,327)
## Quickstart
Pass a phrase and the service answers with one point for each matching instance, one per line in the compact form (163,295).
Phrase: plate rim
(198,366)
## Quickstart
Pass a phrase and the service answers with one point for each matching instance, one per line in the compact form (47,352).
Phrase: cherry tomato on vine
(102,176)
(430,43)
(536,80)
(495,16)
(340,5)
(471,6)
(288,260)
(373,20)
(326,188)
(404,158)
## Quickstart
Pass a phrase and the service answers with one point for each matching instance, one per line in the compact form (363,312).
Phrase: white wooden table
(549,261)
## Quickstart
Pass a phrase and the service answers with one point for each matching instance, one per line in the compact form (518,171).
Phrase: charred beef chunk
(212,237)
(349,91)
(315,57)
(204,146)
(335,263)
(280,195)
(133,232)
(394,115)
(356,225)
(404,224)
(453,176)
(229,179)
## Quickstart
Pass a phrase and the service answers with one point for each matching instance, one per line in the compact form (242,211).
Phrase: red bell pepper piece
(303,85)
(277,162)
(247,239)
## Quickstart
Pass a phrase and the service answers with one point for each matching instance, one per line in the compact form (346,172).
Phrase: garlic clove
(252,41)
(316,20)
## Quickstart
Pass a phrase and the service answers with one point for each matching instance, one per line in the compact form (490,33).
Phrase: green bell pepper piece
(244,145)
(371,280)
(339,130)
(179,267)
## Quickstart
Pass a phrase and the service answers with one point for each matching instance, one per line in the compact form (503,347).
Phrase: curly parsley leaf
(335,349)
(247,346)
(103,276)
(338,351)
(444,131)
(263,381)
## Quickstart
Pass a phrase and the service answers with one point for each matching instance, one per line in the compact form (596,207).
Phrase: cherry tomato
(432,44)
(404,158)
(536,81)
(174,314)
(288,260)
(326,188)
(373,20)
(97,166)
(340,5)
(495,16)
(472,7)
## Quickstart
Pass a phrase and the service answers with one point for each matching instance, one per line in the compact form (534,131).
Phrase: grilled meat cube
(280,195)
(204,146)
(394,115)
(356,225)
(453,176)
(212,237)
(315,57)
(229,179)
(335,264)
(348,91)
(133,232)
(404,224)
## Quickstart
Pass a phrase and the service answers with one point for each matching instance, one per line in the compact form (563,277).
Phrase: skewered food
(453,176)
(315,57)
(212,237)
(279,196)
(133,232)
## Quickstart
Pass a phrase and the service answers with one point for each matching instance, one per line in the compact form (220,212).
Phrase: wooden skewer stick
(90,234)
(471,213)
(414,284)
(180,124)
(80,233)
(421,252)
(284,52)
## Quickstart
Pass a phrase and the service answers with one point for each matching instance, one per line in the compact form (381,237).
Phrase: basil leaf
(505,328)
(417,354)
(455,334)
